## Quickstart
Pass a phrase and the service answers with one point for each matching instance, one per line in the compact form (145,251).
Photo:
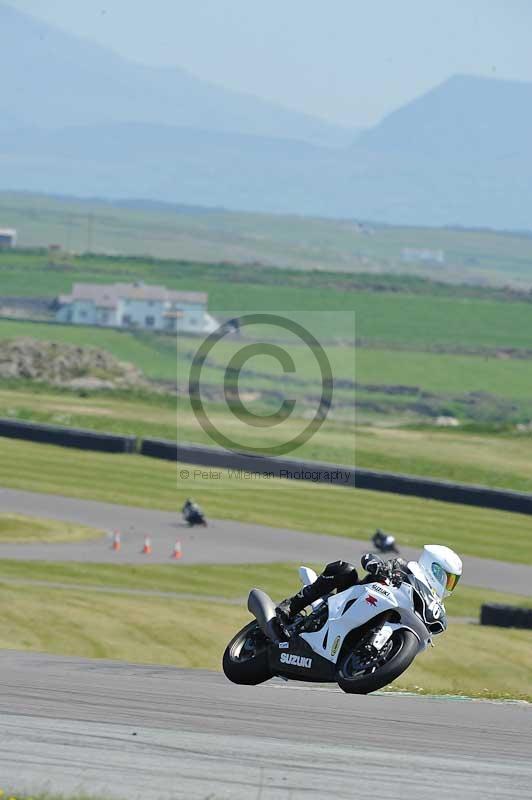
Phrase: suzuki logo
(296,661)
(372,600)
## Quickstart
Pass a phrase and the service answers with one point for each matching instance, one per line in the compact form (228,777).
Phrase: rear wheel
(362,669)
(245,659)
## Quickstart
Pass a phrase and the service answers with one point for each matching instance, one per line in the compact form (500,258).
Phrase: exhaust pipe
(263,609)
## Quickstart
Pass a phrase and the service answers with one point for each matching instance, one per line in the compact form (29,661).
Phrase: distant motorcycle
(193,515)
(384,542)
(195,518)
(362,638)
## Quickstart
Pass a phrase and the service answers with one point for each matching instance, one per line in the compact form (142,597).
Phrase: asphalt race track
(223,542)
(157,732)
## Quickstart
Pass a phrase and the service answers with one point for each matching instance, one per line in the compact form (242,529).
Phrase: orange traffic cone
(116,541)
(147,546)
(177,551)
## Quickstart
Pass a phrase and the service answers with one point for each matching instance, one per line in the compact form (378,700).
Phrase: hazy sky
(349,61)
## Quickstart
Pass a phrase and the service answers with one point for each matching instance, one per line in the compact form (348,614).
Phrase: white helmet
(439,567)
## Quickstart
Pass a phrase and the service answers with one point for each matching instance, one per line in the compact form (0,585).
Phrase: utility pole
(90,221)
(69,225)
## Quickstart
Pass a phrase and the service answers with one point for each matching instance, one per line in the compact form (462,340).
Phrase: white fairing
(370,600)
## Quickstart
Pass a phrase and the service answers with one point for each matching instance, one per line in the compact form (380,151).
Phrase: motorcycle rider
(384,542)
(438,567)
(191,509)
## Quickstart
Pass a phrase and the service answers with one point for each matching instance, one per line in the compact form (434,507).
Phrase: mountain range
(78,119)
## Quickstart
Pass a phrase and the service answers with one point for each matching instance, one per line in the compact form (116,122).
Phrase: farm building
(422,255)
(135,305)
(8,237)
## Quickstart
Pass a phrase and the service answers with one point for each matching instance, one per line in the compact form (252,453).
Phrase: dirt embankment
(76,367)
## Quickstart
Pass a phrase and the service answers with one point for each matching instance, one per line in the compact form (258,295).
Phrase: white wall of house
(85,312)
(140,314)
(81,312)
(107,316)
(193,319)
(159,315)
(145,314)
(64,314)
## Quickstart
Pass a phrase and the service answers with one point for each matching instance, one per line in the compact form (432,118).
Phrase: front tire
(357,676)
(245,660)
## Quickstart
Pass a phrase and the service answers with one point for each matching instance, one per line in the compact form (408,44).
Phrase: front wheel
(245,659)
(362,670)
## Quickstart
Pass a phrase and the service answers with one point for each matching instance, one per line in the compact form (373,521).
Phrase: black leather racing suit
(341,575)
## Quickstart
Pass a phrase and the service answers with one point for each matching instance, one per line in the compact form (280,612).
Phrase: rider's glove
(397,570)
(396,577)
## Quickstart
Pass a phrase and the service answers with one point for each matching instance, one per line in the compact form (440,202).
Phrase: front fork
(383,633)
(386,630)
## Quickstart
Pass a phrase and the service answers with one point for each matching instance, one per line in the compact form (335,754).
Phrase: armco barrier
(481,496)
(506,616)
(159,448)
(446,491)
(67,437)
(216,457)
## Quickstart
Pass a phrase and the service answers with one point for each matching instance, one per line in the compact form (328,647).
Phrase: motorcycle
(194,517)
(384,542)
(362,638)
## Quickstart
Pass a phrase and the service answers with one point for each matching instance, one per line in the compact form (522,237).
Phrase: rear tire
(245,660)
(404,648)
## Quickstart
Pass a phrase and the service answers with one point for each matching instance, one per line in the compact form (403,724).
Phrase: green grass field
(299,242)
(144,630)
(424,349)
(438,373)
(400,384)
(398,316)
(135,480)
(475,661)
(157,356)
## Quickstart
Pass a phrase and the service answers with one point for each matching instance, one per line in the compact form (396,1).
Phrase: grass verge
(474,660)
(227,581)
(146,630)
(22,529)
(14,795)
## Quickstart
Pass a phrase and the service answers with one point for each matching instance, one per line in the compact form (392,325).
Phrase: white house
(8,237)
(135,305)
(422,255)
